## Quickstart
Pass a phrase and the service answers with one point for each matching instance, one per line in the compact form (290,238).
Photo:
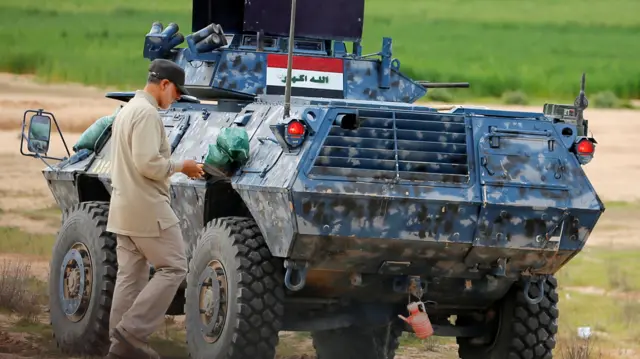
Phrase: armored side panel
(411,191)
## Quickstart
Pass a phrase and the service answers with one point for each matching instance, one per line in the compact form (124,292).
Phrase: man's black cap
(165,69)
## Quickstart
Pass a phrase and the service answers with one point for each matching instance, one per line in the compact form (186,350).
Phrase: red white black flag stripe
(311,76)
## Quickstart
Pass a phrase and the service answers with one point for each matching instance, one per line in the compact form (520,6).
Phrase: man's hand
(192,169)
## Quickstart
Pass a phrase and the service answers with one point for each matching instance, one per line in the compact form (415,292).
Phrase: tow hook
(301,269)
(537,279)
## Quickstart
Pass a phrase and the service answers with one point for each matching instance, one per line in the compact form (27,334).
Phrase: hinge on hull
(412,285)
(500,270)
(549,235)
(416,288)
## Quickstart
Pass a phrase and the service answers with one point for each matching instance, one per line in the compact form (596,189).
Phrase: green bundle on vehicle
(89,137)
(230,150)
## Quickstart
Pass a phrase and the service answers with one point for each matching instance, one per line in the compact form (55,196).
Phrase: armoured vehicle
(355,201)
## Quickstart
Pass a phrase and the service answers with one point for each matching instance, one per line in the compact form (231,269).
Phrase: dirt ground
(613,171)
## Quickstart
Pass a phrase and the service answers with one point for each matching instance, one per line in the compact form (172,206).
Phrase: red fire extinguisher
(419,320)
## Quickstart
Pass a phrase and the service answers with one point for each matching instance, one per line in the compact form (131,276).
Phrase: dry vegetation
(19,291)
(580,348)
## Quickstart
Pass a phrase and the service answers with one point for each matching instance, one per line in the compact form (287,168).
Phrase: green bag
(231,147)
(89,137)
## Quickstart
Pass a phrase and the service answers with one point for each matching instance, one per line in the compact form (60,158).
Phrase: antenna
(287,89)
(581,102)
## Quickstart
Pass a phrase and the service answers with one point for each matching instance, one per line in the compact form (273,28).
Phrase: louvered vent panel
(397,146)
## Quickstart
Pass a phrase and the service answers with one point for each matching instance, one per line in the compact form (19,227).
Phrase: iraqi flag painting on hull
(311,76)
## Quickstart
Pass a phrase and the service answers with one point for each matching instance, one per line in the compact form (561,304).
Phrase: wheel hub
(212,288)
(75,282)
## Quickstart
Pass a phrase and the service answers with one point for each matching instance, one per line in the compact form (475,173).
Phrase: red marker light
(585,147)
(295,128)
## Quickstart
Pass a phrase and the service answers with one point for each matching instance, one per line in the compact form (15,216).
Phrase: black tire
(85,226)
(358,342)
(254,292)
(527,331)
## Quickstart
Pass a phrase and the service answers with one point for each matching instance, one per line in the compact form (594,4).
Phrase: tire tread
(95,340)
(260,305)
(532,330)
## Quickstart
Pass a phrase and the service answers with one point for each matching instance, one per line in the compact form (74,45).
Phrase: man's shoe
(141,349)
(117,350)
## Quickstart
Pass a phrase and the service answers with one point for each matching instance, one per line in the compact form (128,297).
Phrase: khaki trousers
(139,304)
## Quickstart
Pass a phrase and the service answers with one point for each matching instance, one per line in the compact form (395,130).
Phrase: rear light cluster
(295,128)
(584,149)
(295,132)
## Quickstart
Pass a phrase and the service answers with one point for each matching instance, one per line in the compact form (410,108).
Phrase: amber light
(295,128)
(585,147)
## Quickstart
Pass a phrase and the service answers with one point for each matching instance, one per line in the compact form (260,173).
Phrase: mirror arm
(37,155)
(60,133)
(40,112)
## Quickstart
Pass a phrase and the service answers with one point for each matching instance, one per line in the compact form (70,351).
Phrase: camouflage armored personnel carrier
(354,200)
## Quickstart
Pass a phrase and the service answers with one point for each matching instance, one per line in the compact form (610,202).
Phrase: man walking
(140,214)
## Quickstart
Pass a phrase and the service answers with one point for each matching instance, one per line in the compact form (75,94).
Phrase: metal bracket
(485,161)
(559,170)
(412,285)
(205,114)
(540,280)
(416,288)
(262,139)
(180,132)
(494,141)
(301,268)
(560,222)
(501,269)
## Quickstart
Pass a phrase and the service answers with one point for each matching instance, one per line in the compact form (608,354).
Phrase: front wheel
(234,296)
(522,330)
(83,274)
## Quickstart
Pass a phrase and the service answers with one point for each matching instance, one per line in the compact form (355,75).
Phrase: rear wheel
(234,297)
(358,342)
(521,330)
(83,271)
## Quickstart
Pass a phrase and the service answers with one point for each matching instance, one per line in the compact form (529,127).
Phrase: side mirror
(39,134)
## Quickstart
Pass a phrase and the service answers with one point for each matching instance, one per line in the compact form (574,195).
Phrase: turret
(239,50)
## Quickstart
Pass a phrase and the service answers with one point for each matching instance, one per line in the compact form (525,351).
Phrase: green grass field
(539,47)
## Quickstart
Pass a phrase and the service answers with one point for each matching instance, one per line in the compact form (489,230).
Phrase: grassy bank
(540,48)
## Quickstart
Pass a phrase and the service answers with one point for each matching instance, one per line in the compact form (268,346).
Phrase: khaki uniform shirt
(140,165)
